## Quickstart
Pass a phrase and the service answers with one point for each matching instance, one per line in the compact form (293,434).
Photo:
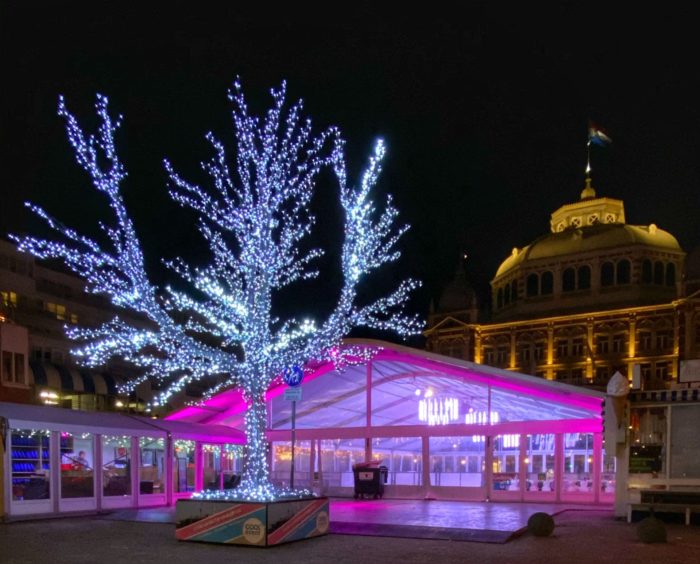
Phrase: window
(647,435)
(499,298)
(532,285)
(488,355)
(73,318)
(562,348)
(647,276)
(514,291)
(31,464)
(662,371)
(618,343)
(602,344)
(7,368)
(19,368)
(644,340)
(525,353)
(568,280)
(77,465)
(602,374)
(584,277)
(183,465)
(664,340)
(539,351)
(502,355)
(547,283)
(12,367)
(623,272)
(9,299)
(116,465)
(506,294)
(670,274)
(152,465)
(577,347)
(607,274)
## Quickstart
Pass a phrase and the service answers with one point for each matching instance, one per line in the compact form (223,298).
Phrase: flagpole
(588,159)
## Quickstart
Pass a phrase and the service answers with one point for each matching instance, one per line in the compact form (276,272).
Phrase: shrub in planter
(540,524)
(651,530)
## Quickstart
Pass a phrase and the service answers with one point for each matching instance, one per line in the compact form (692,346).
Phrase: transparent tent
(443,427)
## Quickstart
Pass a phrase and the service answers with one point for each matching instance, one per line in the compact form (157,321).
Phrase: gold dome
(593,237)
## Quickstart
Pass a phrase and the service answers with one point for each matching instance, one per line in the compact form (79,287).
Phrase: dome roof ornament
(588,192)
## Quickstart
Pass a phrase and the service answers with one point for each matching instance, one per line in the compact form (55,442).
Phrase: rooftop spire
(588,192)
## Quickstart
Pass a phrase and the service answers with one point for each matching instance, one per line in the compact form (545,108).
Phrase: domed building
(590,258)
(592,296)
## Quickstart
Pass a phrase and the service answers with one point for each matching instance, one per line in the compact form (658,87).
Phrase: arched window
(506,294)
(499,298)
(568,280)
(584,277)
(647,277)
(607,274)
(532,285)
(670,274)
(547,283)
(514,291)
(623,272)
(658,272)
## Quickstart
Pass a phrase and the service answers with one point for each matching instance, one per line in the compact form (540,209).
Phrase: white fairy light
(254,222)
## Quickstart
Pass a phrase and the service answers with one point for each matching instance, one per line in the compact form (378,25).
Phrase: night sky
(484,112)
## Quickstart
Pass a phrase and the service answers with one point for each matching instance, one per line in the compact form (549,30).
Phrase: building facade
(593,296)
(37,303)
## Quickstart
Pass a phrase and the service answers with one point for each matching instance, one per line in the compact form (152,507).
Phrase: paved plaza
(580,536)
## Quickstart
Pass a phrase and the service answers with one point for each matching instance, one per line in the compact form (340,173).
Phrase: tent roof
(337,398)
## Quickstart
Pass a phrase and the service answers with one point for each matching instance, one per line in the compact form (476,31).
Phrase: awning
(72,379)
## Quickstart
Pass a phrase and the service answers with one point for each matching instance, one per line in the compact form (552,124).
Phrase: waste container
(369,480)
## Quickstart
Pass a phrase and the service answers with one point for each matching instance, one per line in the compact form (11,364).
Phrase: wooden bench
(685,508)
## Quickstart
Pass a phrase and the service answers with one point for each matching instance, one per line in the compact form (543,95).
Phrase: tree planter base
(250,523)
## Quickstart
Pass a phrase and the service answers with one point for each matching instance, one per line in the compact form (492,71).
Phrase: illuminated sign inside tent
(438,410)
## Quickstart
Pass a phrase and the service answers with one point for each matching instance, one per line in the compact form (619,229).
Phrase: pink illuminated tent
(443,426)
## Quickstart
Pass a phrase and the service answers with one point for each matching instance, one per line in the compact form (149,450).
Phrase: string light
(254,222)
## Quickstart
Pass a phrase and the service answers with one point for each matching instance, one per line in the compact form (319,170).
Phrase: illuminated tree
(254,222)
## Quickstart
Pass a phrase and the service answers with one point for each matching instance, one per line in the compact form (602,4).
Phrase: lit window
(73,318)
(9,299)
(58,310)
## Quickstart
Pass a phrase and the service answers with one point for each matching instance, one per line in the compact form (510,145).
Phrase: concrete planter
(249,523)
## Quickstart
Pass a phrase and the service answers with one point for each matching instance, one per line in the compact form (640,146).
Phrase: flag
(597,135)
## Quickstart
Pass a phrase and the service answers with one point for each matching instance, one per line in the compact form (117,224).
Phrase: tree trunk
(256,476)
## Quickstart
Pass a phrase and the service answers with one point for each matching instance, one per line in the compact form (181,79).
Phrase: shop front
(444,428)
(62,461)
